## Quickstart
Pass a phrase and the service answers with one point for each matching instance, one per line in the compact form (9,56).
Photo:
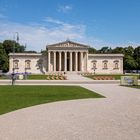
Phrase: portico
(67,56)
(67,61)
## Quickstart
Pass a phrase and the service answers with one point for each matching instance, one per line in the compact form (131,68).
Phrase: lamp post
(13,73)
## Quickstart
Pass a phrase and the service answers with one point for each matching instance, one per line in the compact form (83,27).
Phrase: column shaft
(54,61)
(59,61)
(75,61)
(70,61)
(65,62)
(49,61)
(81,68)
(86,61)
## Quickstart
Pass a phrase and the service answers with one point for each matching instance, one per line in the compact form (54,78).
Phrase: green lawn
(37,77)
(138,86)
(117,76)
(46,77)
(16,97)
(30,77)
(4,77)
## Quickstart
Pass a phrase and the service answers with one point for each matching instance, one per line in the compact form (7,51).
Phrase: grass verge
(116,77)
(138,86)
(17,97)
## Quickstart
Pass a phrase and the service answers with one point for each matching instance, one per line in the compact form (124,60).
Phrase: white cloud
(64,8)
(55,21)
(38,36)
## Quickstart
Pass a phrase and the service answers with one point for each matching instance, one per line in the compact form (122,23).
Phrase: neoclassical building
(66,57)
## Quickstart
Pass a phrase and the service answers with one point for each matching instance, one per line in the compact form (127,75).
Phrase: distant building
(66,56)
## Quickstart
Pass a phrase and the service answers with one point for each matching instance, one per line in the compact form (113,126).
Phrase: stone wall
(39,63)
(110,59)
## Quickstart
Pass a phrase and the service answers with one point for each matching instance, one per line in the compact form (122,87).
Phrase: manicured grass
(116,77)
(37,77)
(138,86)
(4,77)
(16,97)
(46,77)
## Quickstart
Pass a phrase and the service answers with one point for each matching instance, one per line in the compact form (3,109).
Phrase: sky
(97,23)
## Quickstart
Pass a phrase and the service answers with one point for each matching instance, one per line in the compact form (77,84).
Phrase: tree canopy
(7,47)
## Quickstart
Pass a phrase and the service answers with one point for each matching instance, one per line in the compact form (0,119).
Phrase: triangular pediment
(68,43)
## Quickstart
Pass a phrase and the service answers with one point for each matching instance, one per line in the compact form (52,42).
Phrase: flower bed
(103,77)
(56,77)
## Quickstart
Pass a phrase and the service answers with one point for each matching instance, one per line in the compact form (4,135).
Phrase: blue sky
(96,23)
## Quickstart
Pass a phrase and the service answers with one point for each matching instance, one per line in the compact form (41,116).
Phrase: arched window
(116,64)
(94,62)
(16,64)
(28,64)
(105,64)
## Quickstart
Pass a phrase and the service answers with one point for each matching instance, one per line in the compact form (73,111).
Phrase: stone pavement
(58,82)
(77,77)
(116,117)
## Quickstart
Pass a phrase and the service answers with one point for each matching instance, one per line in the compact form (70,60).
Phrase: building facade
(66,56)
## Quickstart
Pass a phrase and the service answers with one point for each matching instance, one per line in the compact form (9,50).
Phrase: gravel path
(116,117)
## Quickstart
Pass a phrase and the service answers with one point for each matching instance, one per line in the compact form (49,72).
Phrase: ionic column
(86,61)
(65,69)
(81,68)
(54,61)
(49,61)
(70,61)
(59,61)
(75,61)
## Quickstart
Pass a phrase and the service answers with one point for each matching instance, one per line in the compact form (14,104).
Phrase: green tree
(5,48)
(105,50)
(137,56)
(3,60)
(129,50)
(92,50)
(118,50)
(130,63)
(9,45)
